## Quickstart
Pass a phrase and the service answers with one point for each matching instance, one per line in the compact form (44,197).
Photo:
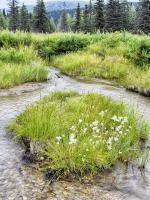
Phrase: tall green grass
(15,74)
(81,133)
(22,54)
(20,65)
(124,58)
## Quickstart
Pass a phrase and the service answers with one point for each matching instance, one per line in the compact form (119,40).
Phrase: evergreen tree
(132,19)
(125,12)
(86,25)
(77,22)
(3,24)
(31,22)
(113,16)
(64,21)
(41,21)
(99,15)
(24,19)
(4,13)
(91,18)
(145,16)
(52,25)
(13,15)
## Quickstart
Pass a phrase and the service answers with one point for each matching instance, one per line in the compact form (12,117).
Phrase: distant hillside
(59,5)
(70,7)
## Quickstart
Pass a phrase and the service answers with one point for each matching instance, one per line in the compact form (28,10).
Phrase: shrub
(65,44)
(139,53)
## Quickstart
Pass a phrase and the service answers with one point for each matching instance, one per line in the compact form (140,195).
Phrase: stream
(19,181)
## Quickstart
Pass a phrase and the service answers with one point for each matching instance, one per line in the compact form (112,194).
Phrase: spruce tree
(86,18)
(41,21)
(145,16)
(91,17)
(64,21)
(13,15)
(4,13)
(99,15)
(77,22)
(3,24)
(124,13)
(52,25)
(24,19)
(113,16)
(132,19)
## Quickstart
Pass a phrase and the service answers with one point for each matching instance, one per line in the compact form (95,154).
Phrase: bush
(63,45)
(139,53)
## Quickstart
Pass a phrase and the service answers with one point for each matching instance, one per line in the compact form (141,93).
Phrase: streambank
(19,181)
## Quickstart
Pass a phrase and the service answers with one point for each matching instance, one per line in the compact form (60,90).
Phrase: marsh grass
(22,54)
(20,65)
(81,133)
(118,57)
(122,57)
(15,74)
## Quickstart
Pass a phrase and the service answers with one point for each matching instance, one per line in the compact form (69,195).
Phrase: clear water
(21,182)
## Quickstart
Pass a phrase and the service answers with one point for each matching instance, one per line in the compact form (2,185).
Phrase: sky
(4,3)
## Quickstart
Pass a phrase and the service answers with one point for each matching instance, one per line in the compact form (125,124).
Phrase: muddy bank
(24,88)
(142,91)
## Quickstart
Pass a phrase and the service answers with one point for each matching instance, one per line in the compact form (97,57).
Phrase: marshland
(74,113)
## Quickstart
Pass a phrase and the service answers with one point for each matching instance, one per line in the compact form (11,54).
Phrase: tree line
(114,15)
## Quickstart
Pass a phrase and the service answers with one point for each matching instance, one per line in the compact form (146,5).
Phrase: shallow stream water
(19,181)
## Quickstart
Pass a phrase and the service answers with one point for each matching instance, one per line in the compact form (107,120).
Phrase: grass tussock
(12,74)
(20,65)
(81,133)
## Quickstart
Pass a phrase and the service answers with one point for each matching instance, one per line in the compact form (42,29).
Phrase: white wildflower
(58,138)
(125,119)
(73,128)
(102,113)
(109,141)
(109,147)
(72,139)
(115,139)
(114,118)
(95,123)
(80,121)
(85,130)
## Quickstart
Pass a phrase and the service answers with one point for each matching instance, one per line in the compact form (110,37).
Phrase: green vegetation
(20,65)
(15,74)
(121,57)
(81,133)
